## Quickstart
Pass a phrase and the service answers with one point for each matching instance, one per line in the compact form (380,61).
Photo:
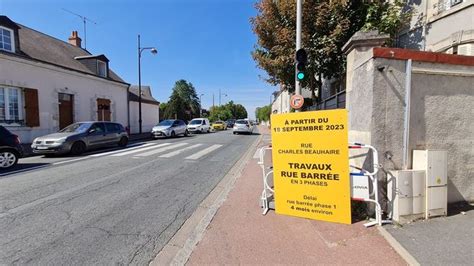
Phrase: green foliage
(326,27)
(183,102)
(263,113)
(387,17)
(227,111)
(163,107)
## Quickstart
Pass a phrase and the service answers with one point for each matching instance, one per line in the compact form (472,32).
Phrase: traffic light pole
(298,43)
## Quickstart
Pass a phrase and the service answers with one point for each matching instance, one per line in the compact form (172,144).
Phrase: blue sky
(207,42)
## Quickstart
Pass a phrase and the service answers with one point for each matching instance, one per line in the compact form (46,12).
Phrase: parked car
(230,123)
(80,137)
(219,125)
(10,148)
(170,128)
(243,126)
(199,125)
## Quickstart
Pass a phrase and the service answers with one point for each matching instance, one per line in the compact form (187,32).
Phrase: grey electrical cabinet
(434,162)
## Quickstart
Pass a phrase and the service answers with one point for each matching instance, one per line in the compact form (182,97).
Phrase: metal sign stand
(373,178)
(267,197)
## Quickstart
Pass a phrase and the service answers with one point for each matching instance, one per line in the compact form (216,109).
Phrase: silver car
(80,137)
(242,126)
(169,128)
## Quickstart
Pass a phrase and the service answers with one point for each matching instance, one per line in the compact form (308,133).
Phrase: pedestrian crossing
(164,150)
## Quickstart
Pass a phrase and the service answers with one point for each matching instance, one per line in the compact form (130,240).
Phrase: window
(112,127)
(455,2)
(11,105)
(6,40)
(102,69)
(99,127)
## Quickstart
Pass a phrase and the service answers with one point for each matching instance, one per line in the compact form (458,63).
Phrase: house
(440,26)
(47,84)
(150,109)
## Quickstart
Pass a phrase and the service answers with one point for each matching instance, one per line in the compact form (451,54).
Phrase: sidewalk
(440,241)
(240,234)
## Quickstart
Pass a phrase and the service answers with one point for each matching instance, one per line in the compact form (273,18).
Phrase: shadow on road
(21,168)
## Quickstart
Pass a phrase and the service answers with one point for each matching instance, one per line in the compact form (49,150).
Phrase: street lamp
(220,96)
(140,50)
(200,104)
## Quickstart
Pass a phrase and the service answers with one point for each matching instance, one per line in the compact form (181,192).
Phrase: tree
(228,111)
(326,27)
(263,113)
(238,111)
(176,108)
(163,107)
(183,103)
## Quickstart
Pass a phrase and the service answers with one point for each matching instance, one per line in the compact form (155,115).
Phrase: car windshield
(196,122)
(166,123)
(242,122)
(218,122)
(77,127)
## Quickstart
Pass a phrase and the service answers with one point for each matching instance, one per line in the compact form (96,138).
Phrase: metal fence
(337,101)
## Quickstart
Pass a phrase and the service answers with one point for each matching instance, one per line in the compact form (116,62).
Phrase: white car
(199,125)
(242,126)
(169,128)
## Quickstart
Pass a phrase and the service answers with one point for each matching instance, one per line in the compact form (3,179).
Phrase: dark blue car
(10,149)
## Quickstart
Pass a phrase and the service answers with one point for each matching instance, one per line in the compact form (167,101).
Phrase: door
(65,109)
(103,109)
(97,135)
(113,133)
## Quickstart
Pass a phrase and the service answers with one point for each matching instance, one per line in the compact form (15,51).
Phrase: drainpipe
(128,109)
(406,126)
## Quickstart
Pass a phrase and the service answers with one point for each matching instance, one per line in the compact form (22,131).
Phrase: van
(199,125)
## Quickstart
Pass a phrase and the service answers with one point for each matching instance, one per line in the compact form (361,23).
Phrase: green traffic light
(300,75)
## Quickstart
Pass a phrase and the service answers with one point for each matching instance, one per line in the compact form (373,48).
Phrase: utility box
(435,164)
(406,195)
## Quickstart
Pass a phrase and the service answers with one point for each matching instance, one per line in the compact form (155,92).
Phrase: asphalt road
(110,206)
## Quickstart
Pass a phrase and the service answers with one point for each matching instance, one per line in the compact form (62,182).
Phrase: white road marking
(140,150)
(174,153)
(199,154)
(65,192)
(161,150)
(131,147)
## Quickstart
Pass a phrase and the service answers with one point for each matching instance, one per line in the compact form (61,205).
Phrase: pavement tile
(240,234)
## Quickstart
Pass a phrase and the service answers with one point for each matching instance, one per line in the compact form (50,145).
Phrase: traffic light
(301,59)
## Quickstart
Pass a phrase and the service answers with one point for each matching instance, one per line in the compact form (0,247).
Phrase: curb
(398,247)
(178,250)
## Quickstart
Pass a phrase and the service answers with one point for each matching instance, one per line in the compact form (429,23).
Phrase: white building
(47,84)
(150,109)
(440,26)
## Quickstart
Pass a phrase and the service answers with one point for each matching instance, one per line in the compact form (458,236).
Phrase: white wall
(150,117)
(49,81)
(282,103)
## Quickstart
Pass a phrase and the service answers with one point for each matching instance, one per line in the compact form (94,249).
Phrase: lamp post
(220,96)
(200,104)
(140,50)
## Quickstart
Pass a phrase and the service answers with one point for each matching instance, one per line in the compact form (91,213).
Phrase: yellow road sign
(311,165)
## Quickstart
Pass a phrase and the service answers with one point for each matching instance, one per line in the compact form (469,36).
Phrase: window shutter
(31,108)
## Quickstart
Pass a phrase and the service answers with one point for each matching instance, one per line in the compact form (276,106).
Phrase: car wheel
(173,134)
(78,148)
(235,133)
(8,159)
(186,133)
(208,130)
(123,142)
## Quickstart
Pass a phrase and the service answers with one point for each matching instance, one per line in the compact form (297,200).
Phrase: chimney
(74,39)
